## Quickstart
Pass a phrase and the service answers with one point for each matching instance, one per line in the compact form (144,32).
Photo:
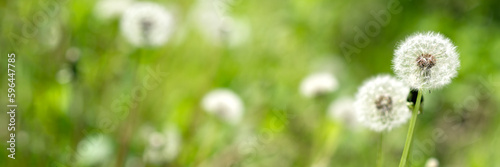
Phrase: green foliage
(289,39)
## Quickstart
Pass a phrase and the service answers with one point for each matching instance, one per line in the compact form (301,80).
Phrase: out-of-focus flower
(225,104)
(64,75)
(94,149)
(342,110)
(432,162)
(109,9)
(426,61)
(147,24)
(162,147)
(216,25)
(318,84)
(381,103)
(52,35)
(73,54)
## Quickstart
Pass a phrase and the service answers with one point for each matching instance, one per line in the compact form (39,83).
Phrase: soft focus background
(83,102)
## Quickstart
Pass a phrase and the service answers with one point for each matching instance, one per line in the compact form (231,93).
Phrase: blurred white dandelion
(329,62)
(317,84)
(216,25)
(432,162)
(94,149)
(147,24)
(110,9)
(162,147)
(64,75)
(246,141)
(54,36)
(73,54)
(342,110)
(381,103)
(225,104)
(426,61)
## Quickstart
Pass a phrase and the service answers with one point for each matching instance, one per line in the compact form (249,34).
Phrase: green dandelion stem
(381,150)
(409,137)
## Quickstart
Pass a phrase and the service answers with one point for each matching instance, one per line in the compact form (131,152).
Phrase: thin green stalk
(381,150)
(409,137)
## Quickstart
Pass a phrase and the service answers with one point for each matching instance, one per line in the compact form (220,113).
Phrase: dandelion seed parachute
(225,104)
(317,84)
(109,9)
(217,26)
(162,146)
(65,75)
(94,149)
(147,24)
(426,61)
(432,162)
(342,110)
(381,103)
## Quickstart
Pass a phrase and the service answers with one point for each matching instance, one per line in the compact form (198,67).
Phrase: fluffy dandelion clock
(432,162)
(217,26)
(426,61)
(318,84)
(94,149)
(225,104)
(147,24)
(108,9)
(162,147)
(381,103)
(342,110)
(65,75)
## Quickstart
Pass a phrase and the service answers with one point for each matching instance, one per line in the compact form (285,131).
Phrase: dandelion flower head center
(426,61)
(146,25)
(156,140)
(380,103)
(222,109)
(384,104)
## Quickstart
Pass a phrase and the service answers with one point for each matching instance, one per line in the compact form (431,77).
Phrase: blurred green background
(63,102)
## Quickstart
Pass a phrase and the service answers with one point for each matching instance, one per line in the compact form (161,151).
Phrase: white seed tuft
(109,9)
(342,110)
(225,104)
(213,20)
(426,61)
(432,162)
(64,75)
(318,84)
(147,24)
(381,103)
(162,146)
(94,150)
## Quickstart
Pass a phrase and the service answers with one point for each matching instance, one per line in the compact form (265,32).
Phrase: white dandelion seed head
(318,84)
(426,61)
(156,140)
(225,104)
(162,146)
(235,31)
(217,26)
(52,36)
(381,103)
(64,75)
(94,149)
(342,110)
(432,162)
(73,54)
(147,24)
(109,9)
